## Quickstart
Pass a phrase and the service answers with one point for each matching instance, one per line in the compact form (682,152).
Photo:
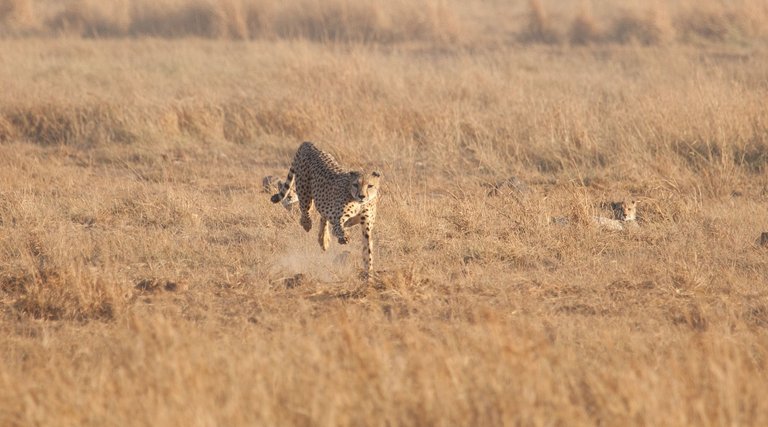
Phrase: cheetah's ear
(376,174)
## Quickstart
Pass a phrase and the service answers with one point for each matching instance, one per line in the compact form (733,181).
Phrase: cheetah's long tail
(283,191)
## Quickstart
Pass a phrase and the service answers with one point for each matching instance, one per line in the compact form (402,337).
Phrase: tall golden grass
(448,22)
(146,279)
(337,20)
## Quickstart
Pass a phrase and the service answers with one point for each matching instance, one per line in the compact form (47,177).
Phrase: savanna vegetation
(146,279)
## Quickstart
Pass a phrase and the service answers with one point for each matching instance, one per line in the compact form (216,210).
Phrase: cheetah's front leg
(322,238)
(367,220)
(339,231)
(338,225)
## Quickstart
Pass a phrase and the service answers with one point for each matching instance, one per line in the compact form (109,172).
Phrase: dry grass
(146,279)
(584,29)
(443,22)
(335,20)
(540,28)
(16,16)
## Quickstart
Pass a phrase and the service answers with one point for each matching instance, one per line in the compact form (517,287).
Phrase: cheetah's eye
(370,185)
(355,185)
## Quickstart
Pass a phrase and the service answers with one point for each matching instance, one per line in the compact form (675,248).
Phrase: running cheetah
(343,198)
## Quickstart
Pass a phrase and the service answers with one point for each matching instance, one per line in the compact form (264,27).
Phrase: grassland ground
(146,279)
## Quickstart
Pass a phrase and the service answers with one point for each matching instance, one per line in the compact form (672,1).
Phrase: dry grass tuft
(45,285)
(7,130)
(91,18)
(54,124)
(367,21)
(200,18)
(648,28)
(720,23)
(338,20)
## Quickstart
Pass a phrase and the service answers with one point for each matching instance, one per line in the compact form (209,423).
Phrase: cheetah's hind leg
(305,221)
(304,206)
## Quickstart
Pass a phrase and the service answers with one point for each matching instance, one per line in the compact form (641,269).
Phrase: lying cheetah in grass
(625,215)
(343,198)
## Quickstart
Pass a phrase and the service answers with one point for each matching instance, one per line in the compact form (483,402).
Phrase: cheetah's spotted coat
(342,198)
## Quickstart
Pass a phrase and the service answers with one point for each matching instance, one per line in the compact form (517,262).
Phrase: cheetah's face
(626,211)
(365,188)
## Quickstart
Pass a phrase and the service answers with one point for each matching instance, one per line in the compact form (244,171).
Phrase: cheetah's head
(625,211)
(364,188)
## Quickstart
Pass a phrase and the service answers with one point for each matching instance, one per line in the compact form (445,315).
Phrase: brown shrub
(707,24)
(235,19)
(338,20)
(539,28)
(90,18)
(7,130)
(199,18)
(259,18)
(584,28)
(435,22)
(721,23)
(648,28)
(372,21)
